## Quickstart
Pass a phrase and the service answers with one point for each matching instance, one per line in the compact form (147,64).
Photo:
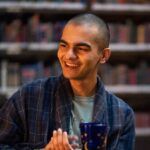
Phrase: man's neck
(84,87)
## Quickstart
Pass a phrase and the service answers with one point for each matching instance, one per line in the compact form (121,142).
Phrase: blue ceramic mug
(93,136)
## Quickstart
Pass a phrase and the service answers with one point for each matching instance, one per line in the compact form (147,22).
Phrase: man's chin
(70,77)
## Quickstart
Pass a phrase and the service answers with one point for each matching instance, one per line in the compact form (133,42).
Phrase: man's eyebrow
(83,44)
(62,41)
(77,44)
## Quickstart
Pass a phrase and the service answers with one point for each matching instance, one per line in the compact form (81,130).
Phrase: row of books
(33,31)
(123,74)
(18,74)
(37,31)
(130,32)
(142,119)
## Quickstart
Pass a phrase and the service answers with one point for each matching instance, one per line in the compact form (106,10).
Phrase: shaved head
(102,34)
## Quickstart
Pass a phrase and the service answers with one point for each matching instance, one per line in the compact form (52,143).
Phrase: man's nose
(71,54)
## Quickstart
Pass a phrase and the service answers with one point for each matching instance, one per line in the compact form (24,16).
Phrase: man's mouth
(71,65)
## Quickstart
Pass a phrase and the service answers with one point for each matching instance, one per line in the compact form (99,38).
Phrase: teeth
(71,65)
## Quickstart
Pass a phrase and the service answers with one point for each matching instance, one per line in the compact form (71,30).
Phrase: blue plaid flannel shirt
(29,117)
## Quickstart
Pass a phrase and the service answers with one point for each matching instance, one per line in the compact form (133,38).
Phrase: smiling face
(78,52)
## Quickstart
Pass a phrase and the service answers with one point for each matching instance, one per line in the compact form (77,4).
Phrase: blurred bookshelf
(116,8)
(29,35)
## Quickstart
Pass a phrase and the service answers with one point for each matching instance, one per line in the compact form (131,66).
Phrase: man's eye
(62,45)
(82,48)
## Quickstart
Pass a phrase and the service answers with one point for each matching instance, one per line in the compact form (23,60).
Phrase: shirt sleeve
(10,123)
(19,129)
(127,136)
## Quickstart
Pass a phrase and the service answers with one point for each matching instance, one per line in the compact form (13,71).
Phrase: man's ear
(105,55)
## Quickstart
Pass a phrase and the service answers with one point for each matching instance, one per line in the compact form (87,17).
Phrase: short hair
(103,36)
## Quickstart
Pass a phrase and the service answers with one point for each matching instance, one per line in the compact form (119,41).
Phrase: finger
(60,139)
(54,141)
(51,144)
(66,144)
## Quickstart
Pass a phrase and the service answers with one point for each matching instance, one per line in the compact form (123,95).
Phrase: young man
(46,113)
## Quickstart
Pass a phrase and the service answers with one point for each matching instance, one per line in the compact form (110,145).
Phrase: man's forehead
(81,25)
(82,28)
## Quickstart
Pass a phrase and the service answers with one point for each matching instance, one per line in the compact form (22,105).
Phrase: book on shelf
(147,33)
(132,76)
(2,31)
(113,32)
(13,74)
(15,31)
(123,33)
(132,30)
(141,33)
(143,73)
(121,74)
(142,119)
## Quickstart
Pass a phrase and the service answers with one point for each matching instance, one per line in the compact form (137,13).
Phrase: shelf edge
(119,47)
(120,7)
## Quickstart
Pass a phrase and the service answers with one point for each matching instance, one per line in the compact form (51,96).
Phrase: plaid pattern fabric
(28,118)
